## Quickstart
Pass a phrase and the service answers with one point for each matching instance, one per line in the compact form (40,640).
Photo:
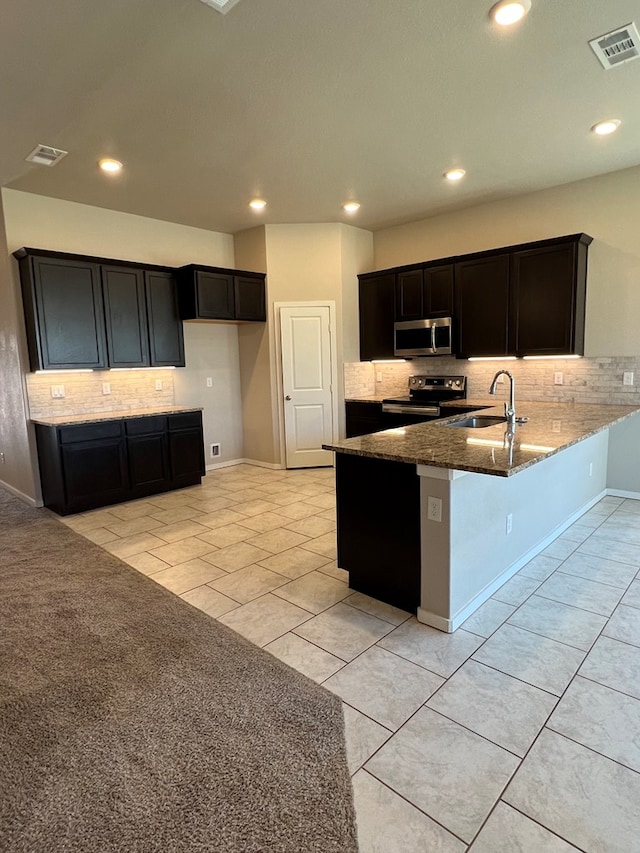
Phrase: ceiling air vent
(221,5)
(619,46)
(45,155)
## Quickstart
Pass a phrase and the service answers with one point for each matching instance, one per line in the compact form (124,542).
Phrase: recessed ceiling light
(351,206)
(455,174)
(221,5)
(604,128)
(508,12)
(257,204)
(107,164)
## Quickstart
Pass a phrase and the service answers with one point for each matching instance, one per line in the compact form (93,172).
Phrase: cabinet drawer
(90,432)
(185,420)
(145,426)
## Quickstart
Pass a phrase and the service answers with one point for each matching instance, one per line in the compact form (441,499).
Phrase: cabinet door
(409,295)
(65,313)
(438,290)
(148,461)
(215,294)
(166,344)
(186,452)
(377,312)
(482,306)
(549,300)
(249,298)
(362,418)
(95,473)
(125,316)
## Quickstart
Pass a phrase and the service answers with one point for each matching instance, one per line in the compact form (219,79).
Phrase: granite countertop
(552,427)
(93,417)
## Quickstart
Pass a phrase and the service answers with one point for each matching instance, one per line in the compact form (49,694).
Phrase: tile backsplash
(584,380)
(83,392)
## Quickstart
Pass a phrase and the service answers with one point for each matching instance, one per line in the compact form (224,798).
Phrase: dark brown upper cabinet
(482,306)
(86,312)
(548,291)
(377,299)
(125,313)
(64,313)
(209,293)
(426,291)
(166,341)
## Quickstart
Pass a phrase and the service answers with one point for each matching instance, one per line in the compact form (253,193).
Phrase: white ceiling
(308,103)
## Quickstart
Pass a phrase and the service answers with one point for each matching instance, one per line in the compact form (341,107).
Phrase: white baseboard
(450,625)
(620,493)
(214,466)
(28,500)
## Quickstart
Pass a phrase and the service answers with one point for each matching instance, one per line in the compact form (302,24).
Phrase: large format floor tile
(363,737)
(247,583)
(186,576)
(511,832)
(615,665)
(585,798)
(294,562)
(516,590)
(314,591)
(450,773)
(602,719)
(598,568)
(264,619)
(388,824)
(383,686)
(488,618)
(344,631)
(209,600)
(308,659)
(580,592)
(497,706)
(531,657)
(597,546)
(441,653)
(560,622)
(624,625)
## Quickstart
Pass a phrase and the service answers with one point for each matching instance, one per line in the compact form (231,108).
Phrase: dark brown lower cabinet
(96,464)
(378,512)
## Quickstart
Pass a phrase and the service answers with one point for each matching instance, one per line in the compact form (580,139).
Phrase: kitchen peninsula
(434,518)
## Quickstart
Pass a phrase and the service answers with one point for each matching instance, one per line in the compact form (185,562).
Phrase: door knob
(287,397)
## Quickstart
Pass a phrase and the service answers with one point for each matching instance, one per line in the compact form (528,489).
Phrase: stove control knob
(458,383)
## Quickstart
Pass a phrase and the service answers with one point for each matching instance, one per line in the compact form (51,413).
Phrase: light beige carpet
(130,721)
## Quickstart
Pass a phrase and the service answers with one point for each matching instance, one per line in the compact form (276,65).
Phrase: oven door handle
(410,410)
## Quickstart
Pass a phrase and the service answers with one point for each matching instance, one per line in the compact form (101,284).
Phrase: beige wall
(16,472)
(210,349)
(606,207)
(304,263)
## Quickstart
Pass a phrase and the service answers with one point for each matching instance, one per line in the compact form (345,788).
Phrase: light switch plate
(558,378)
(158,384)
(106,388)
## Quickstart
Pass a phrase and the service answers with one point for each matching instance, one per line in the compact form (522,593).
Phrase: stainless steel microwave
(423,337)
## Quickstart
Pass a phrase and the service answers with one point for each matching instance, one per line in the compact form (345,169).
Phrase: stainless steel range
(428,395)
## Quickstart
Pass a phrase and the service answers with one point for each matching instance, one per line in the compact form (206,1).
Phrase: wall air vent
(617,47)
(45,155)
(221,5)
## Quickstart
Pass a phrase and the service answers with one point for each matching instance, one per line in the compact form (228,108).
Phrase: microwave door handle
(433,337)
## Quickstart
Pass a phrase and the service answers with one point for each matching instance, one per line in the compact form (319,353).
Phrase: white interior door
(305,334)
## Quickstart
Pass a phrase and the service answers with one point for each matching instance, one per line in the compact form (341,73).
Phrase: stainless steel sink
(478,421)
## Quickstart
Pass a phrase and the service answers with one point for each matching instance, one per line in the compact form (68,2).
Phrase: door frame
(333,350)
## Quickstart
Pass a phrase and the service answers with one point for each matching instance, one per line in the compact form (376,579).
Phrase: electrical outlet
(627,377)
(158,384)
(434,509)
(558,378)
(209,381)
(556,426)
(57,391)
(509,524)
(106,388)
(591,469)
(2,459)
(378,376)
(215,450)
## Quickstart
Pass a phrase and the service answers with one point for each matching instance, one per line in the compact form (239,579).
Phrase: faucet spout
(510,407)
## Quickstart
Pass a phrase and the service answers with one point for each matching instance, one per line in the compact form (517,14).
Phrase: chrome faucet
(510,407)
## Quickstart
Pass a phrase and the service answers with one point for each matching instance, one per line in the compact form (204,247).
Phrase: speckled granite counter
(552,427)
(94,417)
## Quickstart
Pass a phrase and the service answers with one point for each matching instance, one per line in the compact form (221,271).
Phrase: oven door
(396,415)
